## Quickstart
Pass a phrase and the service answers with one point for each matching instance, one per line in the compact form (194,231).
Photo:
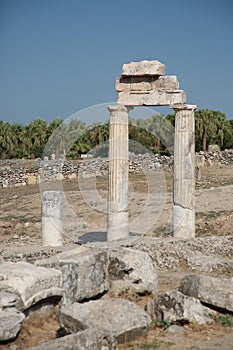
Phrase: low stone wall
(28,172)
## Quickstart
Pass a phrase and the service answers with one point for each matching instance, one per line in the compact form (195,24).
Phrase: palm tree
(209,128)
(228,134)
(7,139)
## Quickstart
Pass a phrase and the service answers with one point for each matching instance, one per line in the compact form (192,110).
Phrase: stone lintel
(152,98)
(180,106)
(145,67)
(144,83)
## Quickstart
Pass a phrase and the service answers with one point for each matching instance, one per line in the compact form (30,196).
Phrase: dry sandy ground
(150,215)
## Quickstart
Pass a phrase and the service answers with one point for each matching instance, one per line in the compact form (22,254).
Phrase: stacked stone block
(144,84)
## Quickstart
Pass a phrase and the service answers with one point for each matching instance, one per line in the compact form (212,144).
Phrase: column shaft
(52,225)
(184,172)
(118,174)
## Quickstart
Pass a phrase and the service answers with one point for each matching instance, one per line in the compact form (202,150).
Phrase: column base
(118,226)
(183,222)
(51,232)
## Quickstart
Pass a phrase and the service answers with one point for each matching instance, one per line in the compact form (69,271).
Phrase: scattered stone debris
(120,318)
(131,271)
(30,283)
(85,340)
(78,275)
(10,317)
(84,272)
(214,291)
(177,307)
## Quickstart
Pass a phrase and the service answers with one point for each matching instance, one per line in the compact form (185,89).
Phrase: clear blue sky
(60,56)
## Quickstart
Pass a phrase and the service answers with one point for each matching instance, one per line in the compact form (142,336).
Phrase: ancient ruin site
(129,251)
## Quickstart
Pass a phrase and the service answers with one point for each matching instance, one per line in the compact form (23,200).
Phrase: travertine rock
(147,83)
(131,270)
(145,67)
(10,318)
(10,323)
(29,282)
(7,300)
(175,306)
(152,98)
(32,180)
(215,291)
(84,340)
(120,318)
(84,272)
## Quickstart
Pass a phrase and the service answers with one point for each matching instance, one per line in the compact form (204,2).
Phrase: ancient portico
(144,84)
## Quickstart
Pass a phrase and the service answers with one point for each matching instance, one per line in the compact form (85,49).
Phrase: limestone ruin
(144,84)
(86,282)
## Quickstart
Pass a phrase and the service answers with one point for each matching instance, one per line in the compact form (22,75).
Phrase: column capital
(119,108)
(184,107)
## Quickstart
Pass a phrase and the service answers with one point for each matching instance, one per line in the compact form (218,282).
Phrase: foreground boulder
(119,318)
(10,323)
(30,283)
(175,306)
(84,340)
(131,271)
(10,318)
(84,272)
(215,291)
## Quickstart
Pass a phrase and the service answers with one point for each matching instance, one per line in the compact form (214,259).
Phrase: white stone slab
(175,306)
(10,323)
(84,271)
(84,340)
(29,282)
(215,291)
(145,67)
(152,98)
(147,83)
(120,318)
(132,271)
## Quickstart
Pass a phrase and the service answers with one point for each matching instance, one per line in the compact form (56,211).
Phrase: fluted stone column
(117,226)
(52,225)
(184,172)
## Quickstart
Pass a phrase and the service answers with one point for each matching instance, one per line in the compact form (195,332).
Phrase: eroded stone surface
(84,270)
(147,83)
(10,323)
(7,300)
(29,282)
(215,291)
(144,67)
(131,270)
(119,318)
(202,254)
(175,306)
(152,98)
(84,340)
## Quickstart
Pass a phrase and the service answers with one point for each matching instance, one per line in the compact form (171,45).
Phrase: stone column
(52,225)
(184,172)
(118,174)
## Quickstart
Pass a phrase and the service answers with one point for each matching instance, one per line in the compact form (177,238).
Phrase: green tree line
(155,133)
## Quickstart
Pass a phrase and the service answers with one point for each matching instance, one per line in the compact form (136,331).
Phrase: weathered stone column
(184,172)
(118,174)
(52,225)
